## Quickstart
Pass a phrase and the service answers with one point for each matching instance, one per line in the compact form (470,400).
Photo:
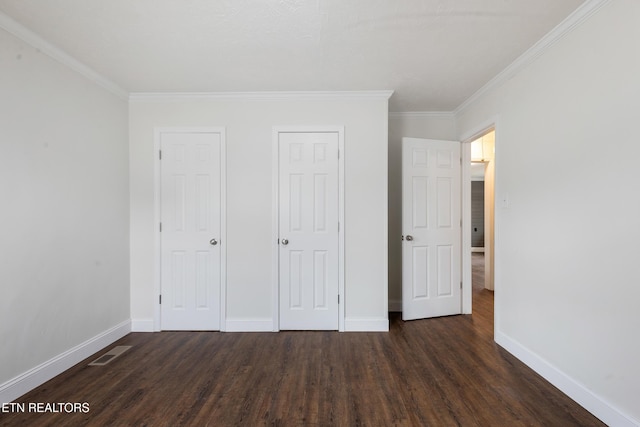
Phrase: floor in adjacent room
(437,372)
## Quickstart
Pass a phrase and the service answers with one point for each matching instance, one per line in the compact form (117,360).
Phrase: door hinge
(338,153)
(159,299)
(338,298)
(338,226)
(460,285)
(161,227)
(160,154)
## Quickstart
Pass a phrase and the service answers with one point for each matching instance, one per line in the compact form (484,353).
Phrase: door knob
(213,242)
(285,242)
(409,237)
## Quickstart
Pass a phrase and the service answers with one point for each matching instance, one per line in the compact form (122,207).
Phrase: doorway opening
(482,186)
(482,202)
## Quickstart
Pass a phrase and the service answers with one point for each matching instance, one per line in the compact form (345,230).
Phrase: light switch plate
(504,201)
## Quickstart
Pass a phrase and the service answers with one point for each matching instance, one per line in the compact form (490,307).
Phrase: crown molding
(266,95)
(580,15)
(423,114)
(37,42)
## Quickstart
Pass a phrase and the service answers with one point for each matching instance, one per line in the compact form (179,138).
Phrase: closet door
(190,234)
(308,224)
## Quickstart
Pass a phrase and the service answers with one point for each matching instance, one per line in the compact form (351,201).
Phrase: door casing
(158,131)
(275,261)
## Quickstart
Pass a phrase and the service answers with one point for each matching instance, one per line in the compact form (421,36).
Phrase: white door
(431,227)
(190,230)
(308,230)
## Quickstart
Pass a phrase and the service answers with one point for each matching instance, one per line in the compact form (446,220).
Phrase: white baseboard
(266,325)
(142,325)
(231,325)
(16,387)
(366,325)
(395,305)
(249,325)
(593,403)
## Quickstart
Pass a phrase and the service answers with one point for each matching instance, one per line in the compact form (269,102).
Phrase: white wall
(64,191)
(567,150)
(413,125)
(248,122)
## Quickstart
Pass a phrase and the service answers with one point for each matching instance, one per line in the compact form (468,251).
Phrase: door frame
(275,246)
(466,139)
(158,131)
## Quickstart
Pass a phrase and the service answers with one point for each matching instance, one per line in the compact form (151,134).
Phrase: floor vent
(110,355)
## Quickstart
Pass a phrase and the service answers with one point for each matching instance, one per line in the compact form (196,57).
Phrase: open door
(431,226)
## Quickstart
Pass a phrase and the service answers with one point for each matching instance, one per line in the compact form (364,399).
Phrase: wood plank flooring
(437,372)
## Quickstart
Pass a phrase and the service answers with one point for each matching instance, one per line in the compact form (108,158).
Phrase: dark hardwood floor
(437,372)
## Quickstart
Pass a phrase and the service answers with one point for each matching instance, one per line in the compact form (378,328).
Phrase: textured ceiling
(433,53)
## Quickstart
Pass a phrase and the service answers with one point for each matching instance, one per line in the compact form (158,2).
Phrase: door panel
(421,268)
(308,224)
(191,217)
(431,213)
